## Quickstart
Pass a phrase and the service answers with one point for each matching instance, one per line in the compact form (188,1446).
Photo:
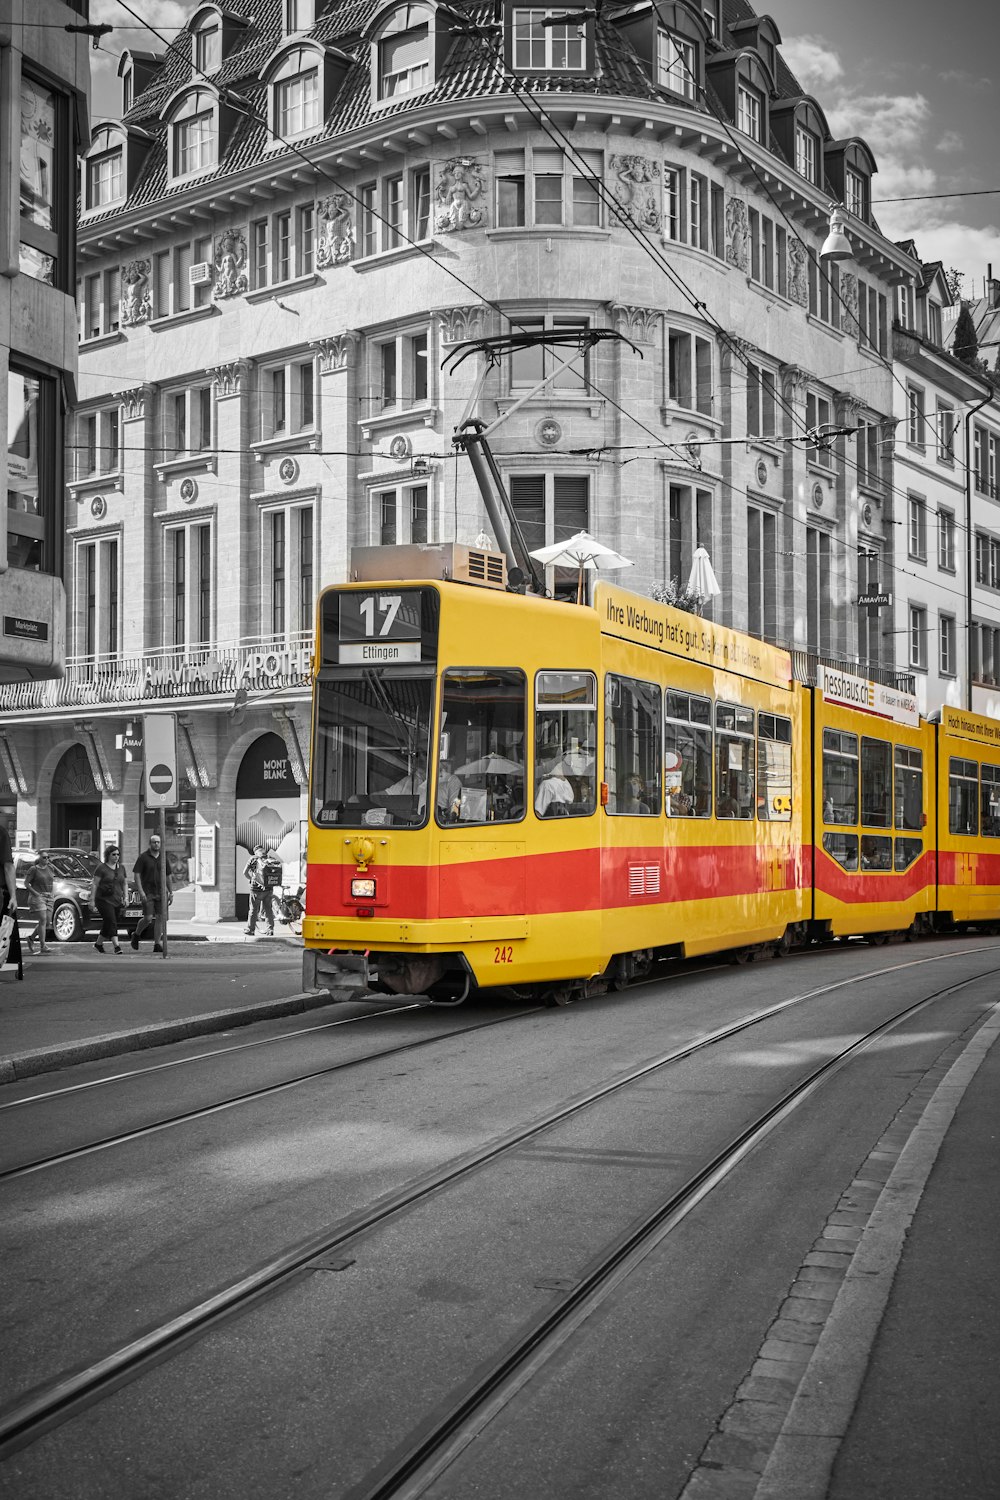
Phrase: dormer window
(806,154)
(193,132)
(856,193)
(710,10)
(104,179)
(404,53)
(207,48)
(538,48)
(676,63)
(300,15)
(128,91)
(297,96)
(748,111)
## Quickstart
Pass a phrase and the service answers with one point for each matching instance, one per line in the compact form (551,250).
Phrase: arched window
(193,133)
(404,52)
(297,102)
(104,173)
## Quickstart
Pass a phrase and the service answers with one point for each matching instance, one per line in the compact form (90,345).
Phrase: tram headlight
(363,887)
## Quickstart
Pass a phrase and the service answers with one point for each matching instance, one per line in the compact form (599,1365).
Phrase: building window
(543,188)
(100,303)
(207,49)
(918,637)
(869,617)
(189,583)
(762,597)
(946,645)
(368,236)
(34,442)
(819,593)
(710,10)
(98,443)
(530,365)
(915,416)
(287,569)
(761,402)
(550,507)
(401,371)
(689,371)
(193,137)
(297,104)
(300,15)
(676,64)
(818,419)
(539,48)
(98,598)
(46,184)
(806,154)
(917,513)
(282,246)
(420,203)
(392,212)
(404,53)
(287,399)
(946,540)
(400,515)
(855,193)
(748,112)
(104,179)
(869,454)
(934,329)
(872,317)
(187,421)
(904,305)
(689,526)
(986,653)
(984,461)
(946,424)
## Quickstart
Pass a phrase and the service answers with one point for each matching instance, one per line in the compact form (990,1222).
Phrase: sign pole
(163,882)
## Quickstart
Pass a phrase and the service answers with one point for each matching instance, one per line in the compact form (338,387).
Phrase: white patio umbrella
(490,765)
(702,580)
(580,552)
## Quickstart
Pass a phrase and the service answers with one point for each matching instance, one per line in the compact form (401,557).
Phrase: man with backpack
(264,874)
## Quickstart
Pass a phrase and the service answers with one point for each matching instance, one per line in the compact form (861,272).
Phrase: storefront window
(30,449)
(44,180)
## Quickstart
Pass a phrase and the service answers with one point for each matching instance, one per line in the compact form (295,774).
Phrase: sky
(916,81)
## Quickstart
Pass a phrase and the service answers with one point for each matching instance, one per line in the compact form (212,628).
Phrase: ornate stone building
(304,210)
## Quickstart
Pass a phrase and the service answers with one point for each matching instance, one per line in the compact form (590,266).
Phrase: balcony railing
(805,663)
(148,679)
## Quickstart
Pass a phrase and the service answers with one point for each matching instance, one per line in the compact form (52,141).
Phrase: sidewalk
(76,1005)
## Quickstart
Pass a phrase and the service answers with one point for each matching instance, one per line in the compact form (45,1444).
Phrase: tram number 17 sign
(160,770)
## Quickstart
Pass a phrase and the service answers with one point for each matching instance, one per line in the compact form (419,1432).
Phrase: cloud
(128,35)
(812,60)
(951,141)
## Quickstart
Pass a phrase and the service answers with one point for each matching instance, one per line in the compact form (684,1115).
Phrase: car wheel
(66,924)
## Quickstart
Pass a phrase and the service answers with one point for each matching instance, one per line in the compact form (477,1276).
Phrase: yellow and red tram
(514,791)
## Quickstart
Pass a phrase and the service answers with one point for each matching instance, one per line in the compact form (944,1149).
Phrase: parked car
(72,917)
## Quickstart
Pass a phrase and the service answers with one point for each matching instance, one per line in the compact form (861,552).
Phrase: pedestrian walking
(10,937)
(263,871)
(108,895)
(155,901)
(38,884)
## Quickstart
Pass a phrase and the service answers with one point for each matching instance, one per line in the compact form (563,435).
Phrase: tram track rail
(49,1405)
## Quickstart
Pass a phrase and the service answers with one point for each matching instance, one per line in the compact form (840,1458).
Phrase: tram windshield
(371,749)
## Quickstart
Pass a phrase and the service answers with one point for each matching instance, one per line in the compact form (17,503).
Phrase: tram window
(687,755)
(774,768)
(734,761)
(989,802)
(840,777)
(843,847)
(963,792)
(371,749)
(565,744)
(876,852)
(909,788)
(480,775)
(876,784)
(632,754)
(907,850)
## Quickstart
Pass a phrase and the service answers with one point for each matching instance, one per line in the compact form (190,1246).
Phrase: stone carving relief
(137,304)
(229,377)
(460,323)
(798,278)
(230,264)
(336,231)
(134,401)
(638,189)
(794,382)
(637,323)
(849,299)
(460,195)
(336,351)
(737,234)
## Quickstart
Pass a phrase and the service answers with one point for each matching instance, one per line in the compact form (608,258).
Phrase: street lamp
(837,246)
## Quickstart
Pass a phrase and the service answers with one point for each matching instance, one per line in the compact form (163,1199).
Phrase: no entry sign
(160,771)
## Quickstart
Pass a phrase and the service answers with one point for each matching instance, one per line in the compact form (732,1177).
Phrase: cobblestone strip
(779,1437)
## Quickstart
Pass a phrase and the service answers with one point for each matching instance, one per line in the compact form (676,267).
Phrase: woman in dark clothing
(8,900)
(107,896)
